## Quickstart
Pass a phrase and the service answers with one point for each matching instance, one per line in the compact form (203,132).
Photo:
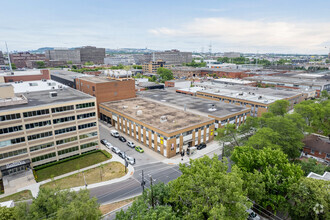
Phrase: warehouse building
(223,113)
(257,99)
(44,126)
(164,129)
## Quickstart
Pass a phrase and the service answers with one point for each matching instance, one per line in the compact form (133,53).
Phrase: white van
(114,133)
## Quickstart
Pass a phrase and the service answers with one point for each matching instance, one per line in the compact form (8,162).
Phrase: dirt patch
(116,205)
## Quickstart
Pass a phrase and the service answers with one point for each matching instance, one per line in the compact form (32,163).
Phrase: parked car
(108,145)
(122,139)
(130,144)
(114,133)
(115,150)
(201,146)
(104,141)
(122,155)
(130,160)
(139,149)
(252,215)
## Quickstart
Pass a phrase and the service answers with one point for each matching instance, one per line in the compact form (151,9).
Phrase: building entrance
(16,167)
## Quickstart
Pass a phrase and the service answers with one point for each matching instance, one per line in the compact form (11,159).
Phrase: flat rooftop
(68,75)
(151,113)
(249,93)
(37,85)
(232,81)
(291,80)
(22,73)
(193,104)
(97,79)
(42,98)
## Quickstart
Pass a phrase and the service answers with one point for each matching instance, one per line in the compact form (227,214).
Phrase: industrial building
(20,59)
(29,75)
(171,57)
(64,54)
(2,59)
(40,124)
(317,83)
(163,128)
(92,54)
(223,113)
(257,99)
(178,83)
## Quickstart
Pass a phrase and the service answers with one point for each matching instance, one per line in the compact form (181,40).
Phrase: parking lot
(140,158)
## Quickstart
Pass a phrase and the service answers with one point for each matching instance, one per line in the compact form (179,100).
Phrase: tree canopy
(280,107)
(64,204)
(165,74)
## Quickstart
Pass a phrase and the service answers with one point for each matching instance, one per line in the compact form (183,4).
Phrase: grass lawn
(69,166)
(113,206)
(20,196)
(108,171)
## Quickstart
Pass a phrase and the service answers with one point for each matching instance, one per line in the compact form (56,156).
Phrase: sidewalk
(212,148)
(115,158)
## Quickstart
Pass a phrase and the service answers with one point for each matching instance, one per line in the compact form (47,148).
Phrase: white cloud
(267,36)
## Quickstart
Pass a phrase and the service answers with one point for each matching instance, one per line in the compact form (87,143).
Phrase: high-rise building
(20,59)
(171,57)
(232,54)
(43,126)
(92,54)
(2,59)
(64,55)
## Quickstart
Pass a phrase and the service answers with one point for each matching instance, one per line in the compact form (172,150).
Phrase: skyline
(249,27)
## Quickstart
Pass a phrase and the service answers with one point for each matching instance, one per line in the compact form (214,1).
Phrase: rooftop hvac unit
(139,112)
(52,94)
(260,97)
(125,106)
(163,118)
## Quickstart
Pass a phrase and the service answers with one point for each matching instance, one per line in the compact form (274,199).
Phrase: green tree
(273,175)
(206,191)
(279,107)
(230,134)
(137,67)
(264,137)
(311,165)
(7,213)
(165,74)
(223,59)
(13,66)
(40,64)
(64,204)
(69,62)
(153,78)
(309,199)
(151,205)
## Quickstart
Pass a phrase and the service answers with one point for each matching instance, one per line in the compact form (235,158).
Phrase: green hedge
(67,159)
(107,154)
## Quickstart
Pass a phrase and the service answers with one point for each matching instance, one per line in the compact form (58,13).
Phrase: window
(87,115)
(62,109)
(37,124)
(92,134)
(68,150)
(328,155)
(85,105)
(11,142)
(65,130)
(36,113)
(66,140)
(42,146)
(65,119)
(10,117)
(41,135)
(312,151)
(44,157)
(91,144)
(86,125)
(13,153)
(11,129)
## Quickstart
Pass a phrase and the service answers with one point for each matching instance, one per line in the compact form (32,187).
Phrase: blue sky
(247,26)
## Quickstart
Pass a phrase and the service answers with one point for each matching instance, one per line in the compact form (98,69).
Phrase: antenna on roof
(11,69)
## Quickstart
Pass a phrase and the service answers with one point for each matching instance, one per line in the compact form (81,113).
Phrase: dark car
(122,139)
(104,141)
(201,146)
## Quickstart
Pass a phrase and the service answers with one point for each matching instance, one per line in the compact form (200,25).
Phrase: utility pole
(142,183)
(152,194)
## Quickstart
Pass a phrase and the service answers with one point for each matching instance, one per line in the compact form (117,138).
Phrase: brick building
(152,66)
(20,59)
(105,89)
(30,75)
(227,73)
(317,146)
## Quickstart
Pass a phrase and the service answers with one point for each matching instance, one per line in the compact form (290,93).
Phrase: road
(159,172)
